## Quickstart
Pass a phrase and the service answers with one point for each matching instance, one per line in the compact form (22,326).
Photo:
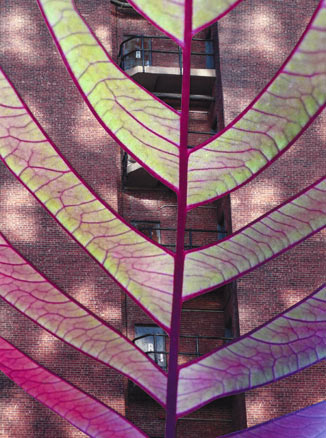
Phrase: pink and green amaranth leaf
(156,136)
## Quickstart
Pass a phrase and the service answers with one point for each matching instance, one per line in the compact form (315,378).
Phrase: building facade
(231,63)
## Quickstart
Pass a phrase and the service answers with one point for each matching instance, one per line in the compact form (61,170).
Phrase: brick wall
(255,39)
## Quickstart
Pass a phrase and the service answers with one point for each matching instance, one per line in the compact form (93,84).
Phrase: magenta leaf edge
(87,395)
(240,338)
(70,298)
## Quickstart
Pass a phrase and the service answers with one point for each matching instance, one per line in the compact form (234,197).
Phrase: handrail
(196,353)
(173,52)
(159,37)
(217,338)
(142,50)
(220,234)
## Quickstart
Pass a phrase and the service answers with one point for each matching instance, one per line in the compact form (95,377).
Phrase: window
(209,50)
(136,51)
(149,228)
(151,339)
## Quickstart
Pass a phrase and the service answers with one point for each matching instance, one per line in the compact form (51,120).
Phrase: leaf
(247,249)
(207,11)
(271,123)
(32,294)
(141,268)
(169,15)
(80,409)
(305,423)
(290,342)
(140,123)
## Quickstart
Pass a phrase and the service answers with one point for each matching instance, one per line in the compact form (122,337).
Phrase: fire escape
(155,62)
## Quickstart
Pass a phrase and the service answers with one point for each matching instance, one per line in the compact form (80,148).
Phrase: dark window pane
(152,339)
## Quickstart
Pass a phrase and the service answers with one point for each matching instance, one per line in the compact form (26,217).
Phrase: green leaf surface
(272,123)
(255,244)
(142,125)
(169,15)
(142,268)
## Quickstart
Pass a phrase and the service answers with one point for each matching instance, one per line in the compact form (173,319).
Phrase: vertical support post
(150,51)
(180,60)
(155,348)
(197,346)
(142,53)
